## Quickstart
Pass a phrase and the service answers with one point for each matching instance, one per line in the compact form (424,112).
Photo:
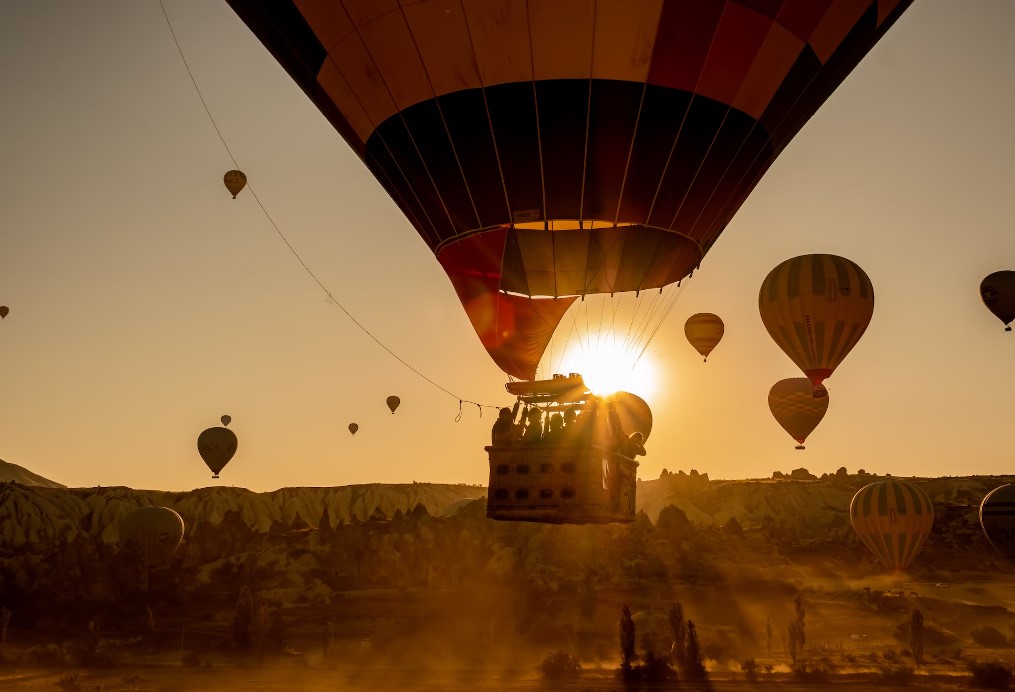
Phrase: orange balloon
(893,519)
(798,406)
(816,308)
(704,331)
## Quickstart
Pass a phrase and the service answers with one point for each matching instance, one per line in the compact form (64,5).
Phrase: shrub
(985,635)
(71,682)
(750,668)
(654,669)
(900,675)
(560,665)
(803,673)
(991,675)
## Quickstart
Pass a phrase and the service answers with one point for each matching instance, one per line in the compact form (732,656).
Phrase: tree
(916,635)
(797,633)
(242,617)
(627,636)
(693,669)
(678,633)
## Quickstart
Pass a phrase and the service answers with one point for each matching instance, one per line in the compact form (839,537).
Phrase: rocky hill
(12,473)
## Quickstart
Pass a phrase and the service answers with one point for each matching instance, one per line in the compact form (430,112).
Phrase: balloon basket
(800,447)
(561,485)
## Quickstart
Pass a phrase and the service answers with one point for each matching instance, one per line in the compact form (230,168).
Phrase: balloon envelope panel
(893,519)
(548,148)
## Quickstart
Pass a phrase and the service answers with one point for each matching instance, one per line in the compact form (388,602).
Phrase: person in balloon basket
(505,430)
(533,426)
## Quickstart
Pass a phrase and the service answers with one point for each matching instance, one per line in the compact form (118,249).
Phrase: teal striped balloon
(893,519)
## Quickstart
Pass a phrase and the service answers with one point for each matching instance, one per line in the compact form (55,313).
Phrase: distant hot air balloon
(893,519)
(155,532)
(217,446)
(353,428)
(816,308)
(545,150)
(226,420)
(393,403)
(998,293)
(235,181)
(704,331)
(997,519)
(4,310)
(798,406)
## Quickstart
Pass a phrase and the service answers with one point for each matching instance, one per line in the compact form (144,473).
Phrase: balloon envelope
(997,519)
(155,532)
(816,308)
(226,420)
(704,331)
(235,181)
(393,403)
(798,406)
(893,519)
(4,310)
(217,446)
(545,149)
(997,291)
(353,428)
(635,414)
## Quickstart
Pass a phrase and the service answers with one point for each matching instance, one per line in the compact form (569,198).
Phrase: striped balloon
(155,532)
(798,406)
(893,519)
(816,308)
(997,519)
(704,331)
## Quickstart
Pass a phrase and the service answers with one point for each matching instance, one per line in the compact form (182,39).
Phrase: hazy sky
(145,302)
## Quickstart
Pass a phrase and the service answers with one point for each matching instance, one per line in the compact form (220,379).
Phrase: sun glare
(609,367)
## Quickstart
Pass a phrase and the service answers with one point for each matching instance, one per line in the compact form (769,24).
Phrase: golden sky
(145,302)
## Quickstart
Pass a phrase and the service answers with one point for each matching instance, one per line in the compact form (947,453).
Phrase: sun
(610,367)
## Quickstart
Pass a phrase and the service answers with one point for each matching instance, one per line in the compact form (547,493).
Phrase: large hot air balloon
(546,150)
(235,181)
(893,519)
(704,331)
(155,532)
(4,311)
(393,403)
(816,308)
(798,406)
(998,293)
(217,446)
(997,519)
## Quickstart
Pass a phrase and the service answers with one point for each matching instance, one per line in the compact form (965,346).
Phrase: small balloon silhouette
(226,420)
(3,311)
(353,428)
(235,181)
(393,403)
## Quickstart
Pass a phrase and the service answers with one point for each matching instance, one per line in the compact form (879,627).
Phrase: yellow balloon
(235,181)
(816,308)
(704,331)
(893,519)
(798,406)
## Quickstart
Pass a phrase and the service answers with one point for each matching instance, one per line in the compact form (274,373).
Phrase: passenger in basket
(504,428)
(533,426)
(572,428)
(618,441)
(555,430)
(636,445)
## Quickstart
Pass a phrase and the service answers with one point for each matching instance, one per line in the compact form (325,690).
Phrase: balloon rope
(310,273)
